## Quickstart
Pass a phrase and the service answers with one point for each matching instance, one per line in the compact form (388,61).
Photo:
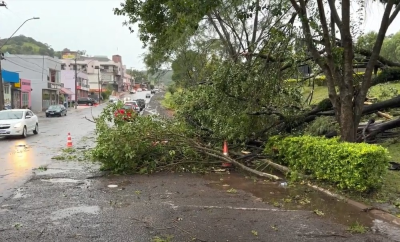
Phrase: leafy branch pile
(149,144)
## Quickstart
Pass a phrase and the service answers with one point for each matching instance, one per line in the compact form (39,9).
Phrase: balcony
(54,85)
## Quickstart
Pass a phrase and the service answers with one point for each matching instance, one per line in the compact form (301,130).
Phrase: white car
(18,122)
(113,99)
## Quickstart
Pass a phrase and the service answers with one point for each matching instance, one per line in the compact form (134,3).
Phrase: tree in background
(335,58)
(140,76)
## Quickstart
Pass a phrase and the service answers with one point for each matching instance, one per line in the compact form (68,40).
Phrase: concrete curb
(388,217)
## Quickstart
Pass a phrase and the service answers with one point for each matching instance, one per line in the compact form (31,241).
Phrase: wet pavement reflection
(19,156)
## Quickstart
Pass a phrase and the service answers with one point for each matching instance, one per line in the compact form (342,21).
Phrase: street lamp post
(1,58)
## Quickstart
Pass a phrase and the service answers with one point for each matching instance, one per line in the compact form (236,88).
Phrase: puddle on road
(67,212)
(294,198)
(61,180)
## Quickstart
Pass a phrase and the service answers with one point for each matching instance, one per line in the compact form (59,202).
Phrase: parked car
(148,95)
(141,103)
(153,91)
(135,105)
(132,92)
(86,101)
(139,90)
(56,110)
(18,122)
(127,113)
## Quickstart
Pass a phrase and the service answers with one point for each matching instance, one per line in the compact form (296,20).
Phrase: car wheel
(47,116)
(36,130)
(90,104)
(65,113)
(24,132)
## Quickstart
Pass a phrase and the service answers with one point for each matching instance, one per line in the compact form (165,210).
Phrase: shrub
(169,101)
(351,166)
(320,81)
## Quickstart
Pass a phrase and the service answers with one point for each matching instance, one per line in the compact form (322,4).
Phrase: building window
(53,75)
(25,99)
(6,89)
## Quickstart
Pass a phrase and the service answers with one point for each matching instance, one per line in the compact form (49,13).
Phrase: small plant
(167,238)
(68,150)
(232,190)
(42,168)
(357,228)
(318,212)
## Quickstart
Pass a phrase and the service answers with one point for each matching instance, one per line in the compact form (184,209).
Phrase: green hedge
(351,166)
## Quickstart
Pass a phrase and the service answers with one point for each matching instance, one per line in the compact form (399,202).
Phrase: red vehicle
(127,112)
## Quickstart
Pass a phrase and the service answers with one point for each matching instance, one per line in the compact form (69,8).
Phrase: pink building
(26,90)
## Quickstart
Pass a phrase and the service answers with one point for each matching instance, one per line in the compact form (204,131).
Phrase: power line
(23,66)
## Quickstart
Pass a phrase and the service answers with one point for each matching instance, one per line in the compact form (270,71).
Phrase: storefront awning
(9,76)
(66,91)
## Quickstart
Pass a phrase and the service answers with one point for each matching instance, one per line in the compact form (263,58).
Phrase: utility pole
(2,106)
(76,83)
(98,80)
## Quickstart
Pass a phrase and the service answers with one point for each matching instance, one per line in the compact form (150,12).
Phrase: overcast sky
(91,25)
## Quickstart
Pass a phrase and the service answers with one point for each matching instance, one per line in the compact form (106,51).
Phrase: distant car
(148,95)
(86,101)
(7,107)
(18,122)
(56,110)
(127,113)
(141,103)
(139,90)
(135,105)
(132,92)
(153,91)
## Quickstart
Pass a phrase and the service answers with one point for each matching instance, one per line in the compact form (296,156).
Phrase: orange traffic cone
(225,153)
(69,140)
(225,149)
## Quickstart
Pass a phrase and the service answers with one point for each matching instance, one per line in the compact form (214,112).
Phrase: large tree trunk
(348,127)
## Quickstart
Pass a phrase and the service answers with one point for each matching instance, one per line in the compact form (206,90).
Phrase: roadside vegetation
(283,97)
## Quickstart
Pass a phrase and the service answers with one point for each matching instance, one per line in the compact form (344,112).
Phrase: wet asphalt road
(73,201)
(19,156)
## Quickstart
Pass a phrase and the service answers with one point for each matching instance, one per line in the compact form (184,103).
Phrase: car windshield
(130,103)
(54,107)
(6,115)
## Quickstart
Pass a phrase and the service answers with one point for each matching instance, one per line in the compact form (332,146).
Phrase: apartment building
(100,70)
(44,74)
